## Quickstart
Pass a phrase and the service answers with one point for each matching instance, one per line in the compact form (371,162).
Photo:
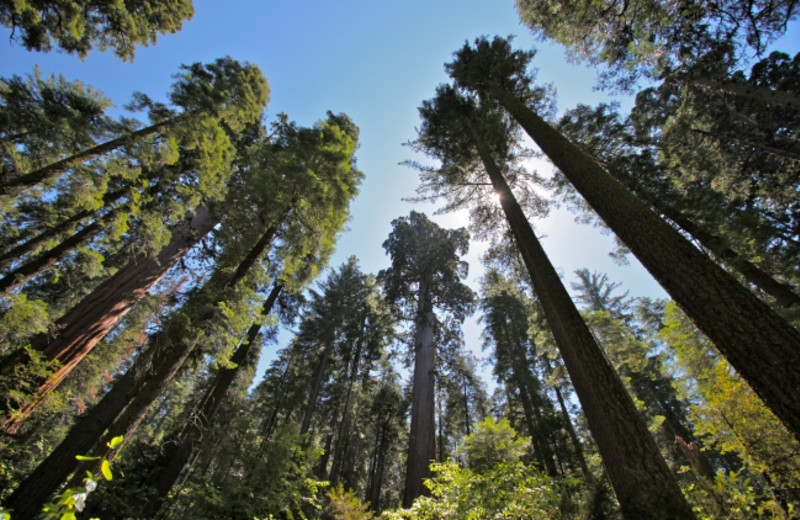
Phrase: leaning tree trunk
(762,347)
(119,412)
(177,456)
(24,273)
(641,479)
(88,322)
(422,437)
(782,293)
(28,246)
(762,95)
(17,185)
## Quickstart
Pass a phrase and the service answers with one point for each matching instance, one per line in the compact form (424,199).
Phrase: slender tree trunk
(29,270)
(29,245)
(17,185)
(344,424)
(316,385)
(540,440)
(573,435)
(758,343)
(88,322)
(119,412)
(643,483)
(422,437)
(180,454)
(767,96)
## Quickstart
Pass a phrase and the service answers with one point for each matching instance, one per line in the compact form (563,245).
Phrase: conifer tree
(425,276)
(757,342)
(77,26)
(628,451)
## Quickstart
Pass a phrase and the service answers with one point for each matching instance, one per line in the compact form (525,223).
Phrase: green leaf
(69,515)
(105,469)
(116,441)
(85,457)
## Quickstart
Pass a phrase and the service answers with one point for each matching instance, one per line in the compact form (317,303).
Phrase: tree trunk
(422,437)
(643,483)
(27,271)
(29,245)
(119,412)
(758,343)
(88,322)
(344,424)
(782,293)
(178,455)
(17,185)
(313,393)
(767,96)
(573,435)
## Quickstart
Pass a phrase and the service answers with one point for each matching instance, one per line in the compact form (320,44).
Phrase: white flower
(90,485)
(80,501)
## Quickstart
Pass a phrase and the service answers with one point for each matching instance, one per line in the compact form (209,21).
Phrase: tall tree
(732,232)
(625,444)
(653,38)
(757,342)
(201,177)
(507,330)
(425,276)
(79,25)
(321,180)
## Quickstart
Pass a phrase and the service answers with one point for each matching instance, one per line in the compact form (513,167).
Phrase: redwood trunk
(88,322)
(422,437)
(119,412)
(178,456)
(641,479)
(758,343)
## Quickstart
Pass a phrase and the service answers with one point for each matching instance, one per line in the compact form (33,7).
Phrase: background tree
(597,385)
(425,276)
(722,307)
(655,38)
(79,25)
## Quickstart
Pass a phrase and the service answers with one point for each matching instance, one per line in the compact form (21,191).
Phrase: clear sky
(375,61)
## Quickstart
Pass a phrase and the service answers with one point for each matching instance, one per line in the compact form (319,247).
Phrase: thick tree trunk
(88,322)
(782,293)
(179,455)
(17,185)
(758,343)
(119,412)
(422,437)
(643,483)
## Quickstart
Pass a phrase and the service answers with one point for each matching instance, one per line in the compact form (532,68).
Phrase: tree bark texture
(422,437)
(758,343)
(641,479)
(782,293)
(88,322)
(119,412)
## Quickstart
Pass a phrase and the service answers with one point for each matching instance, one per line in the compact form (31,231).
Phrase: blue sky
(375,61)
